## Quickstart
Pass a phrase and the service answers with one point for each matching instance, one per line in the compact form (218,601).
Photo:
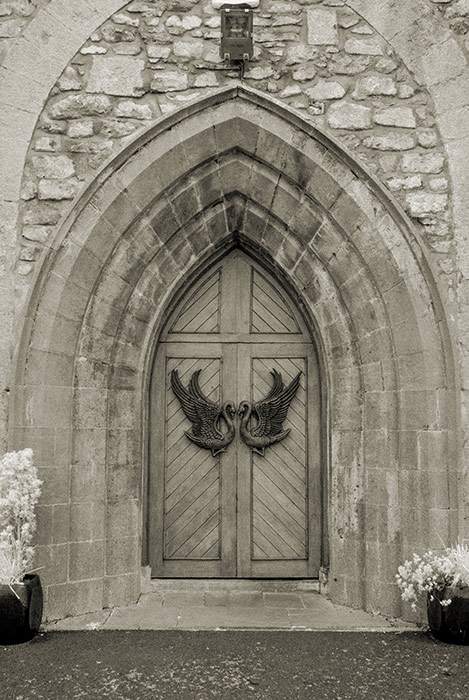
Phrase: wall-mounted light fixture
(236,28)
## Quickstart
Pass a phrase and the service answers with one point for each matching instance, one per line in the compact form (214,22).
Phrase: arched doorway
(244,511)
(236,169)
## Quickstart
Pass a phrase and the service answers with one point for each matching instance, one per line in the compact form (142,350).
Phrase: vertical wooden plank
(243,294)
(229,469)
(235,295)
(244,548)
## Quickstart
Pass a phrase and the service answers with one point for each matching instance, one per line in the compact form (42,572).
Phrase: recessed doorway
(235,511)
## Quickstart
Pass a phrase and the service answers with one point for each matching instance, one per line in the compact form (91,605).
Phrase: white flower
(433,572)
(20,489)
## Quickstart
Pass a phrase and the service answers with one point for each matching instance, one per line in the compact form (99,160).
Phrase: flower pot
(20,614)
(450,623)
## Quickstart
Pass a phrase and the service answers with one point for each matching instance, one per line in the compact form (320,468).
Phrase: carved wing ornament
(206,416)
(270,414)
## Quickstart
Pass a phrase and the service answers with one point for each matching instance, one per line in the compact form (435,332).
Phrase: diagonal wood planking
(200,313)
(192,475)
(269,313)
(279,483)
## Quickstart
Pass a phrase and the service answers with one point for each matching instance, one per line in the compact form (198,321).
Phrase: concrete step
(233,585)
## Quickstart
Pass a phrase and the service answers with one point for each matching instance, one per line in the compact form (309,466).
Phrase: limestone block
(139,6)
(115,34)
(116,75)
(374,85)
(70,79)
(127,108)
(304,74)
(80,128)
(438,184)
(284,8)
(117,128)
(53,167)
(178,25)
(427,138)
(396,116)
(291,91)
(122,18)
(169,81)
(322,26)
(259,73)
(80,106)
(188,49)
(10,28)
(348,20)
(404,183)
(57,189)
(346,115)
(405,91)
(42,213)
(156,52)
(390,142)
(286,20)
(206,79)
(93,49)
(349,65)
(325,90)
(422,163)
(420,203)
(48,143)
(29,253)
(369,47)
(39,234)
(362,29)
(213,22)
(300,53)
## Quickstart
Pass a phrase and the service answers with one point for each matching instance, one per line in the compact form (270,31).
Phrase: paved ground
(165,665)
(211,605)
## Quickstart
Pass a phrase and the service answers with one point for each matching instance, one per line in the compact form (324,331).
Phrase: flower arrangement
(433,572)
(19,492)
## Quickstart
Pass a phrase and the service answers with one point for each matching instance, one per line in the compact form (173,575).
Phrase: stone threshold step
(234,585)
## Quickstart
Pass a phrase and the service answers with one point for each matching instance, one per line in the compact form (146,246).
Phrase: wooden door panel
(192,475)
(279,478)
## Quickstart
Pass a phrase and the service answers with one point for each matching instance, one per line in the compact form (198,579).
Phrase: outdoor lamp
(236,28)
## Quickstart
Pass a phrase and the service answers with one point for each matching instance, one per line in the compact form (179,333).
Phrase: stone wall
(321,59)
(392,88)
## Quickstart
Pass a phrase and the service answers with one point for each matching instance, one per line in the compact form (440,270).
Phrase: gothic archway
(238,168)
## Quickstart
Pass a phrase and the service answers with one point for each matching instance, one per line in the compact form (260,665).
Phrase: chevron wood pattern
(200,313)
(279,479)
(192,475)
(270,312)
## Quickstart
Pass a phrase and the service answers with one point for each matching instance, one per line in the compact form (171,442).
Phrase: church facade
(234,292)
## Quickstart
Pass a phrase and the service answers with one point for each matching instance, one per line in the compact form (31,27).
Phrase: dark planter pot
(450,623)
(21,614)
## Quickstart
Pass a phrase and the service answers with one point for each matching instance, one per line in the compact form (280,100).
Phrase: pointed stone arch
(238,169)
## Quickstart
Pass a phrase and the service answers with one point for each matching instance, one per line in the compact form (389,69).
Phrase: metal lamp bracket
(218,4)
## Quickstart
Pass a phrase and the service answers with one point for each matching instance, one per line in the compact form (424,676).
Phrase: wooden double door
(238,513)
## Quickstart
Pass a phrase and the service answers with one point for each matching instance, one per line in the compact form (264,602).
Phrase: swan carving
(270,414)
(204,415)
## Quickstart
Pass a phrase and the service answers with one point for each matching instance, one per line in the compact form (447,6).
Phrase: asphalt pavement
(270,665)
